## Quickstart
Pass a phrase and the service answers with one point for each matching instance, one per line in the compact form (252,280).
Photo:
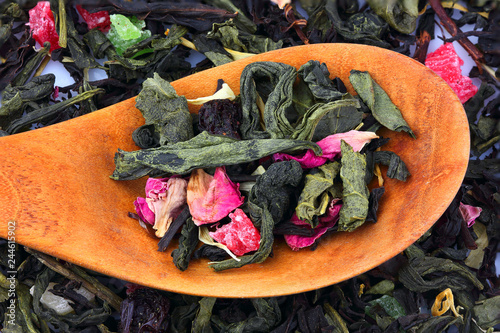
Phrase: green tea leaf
(396,167)
(318,190)
(202,151)
(165,111)
(355,193)
(274,83)
(379,102)
(317,78)
(201,323)
(486,313)
(430,273)
(188,241)
(400,14)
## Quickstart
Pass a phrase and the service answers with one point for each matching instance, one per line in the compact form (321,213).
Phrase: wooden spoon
(55,185)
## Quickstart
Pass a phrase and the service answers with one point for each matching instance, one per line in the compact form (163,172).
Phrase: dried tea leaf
(188,241)
(379,102)
(168,112)
(373,201)
(202,322)
(355,193)
(476,257)
(486,313)
(31,66)
(273,190)
(49,111)
(14,98)
(396,167)
(317,78)
(317,192)
(400,14)
(202,151)
(274,83)
(440,273)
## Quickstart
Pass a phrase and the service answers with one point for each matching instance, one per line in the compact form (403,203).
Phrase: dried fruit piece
(446,63)
(126,31)
(42,25)
(240,235)
(100,19)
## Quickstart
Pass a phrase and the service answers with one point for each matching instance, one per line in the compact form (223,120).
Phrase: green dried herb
(31,66)
(400,14)
(319,189)
(188,242)
(273,82)
(379,102)
(430,273)
(201,322)
(43,113)
(396,167)
(164,111)
(202,151)
(317,78)
(14,98)
(355,192)
(486,312)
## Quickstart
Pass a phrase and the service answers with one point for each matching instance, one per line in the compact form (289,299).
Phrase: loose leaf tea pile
(446,281)
(280,128)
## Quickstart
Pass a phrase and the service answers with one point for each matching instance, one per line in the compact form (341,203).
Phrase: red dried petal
(240,235)
(42,25)
(446,63)
(98,20)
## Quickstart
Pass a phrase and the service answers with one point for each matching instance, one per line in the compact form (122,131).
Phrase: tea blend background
(451,259)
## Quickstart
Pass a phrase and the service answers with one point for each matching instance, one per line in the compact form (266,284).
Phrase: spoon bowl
(55,186)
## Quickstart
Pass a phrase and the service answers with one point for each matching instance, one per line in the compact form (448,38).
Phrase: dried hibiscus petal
(446,63)
(330,147)
(211,198)
(42,25)
(240,235)
(328,221)
(220,117)
(98,19)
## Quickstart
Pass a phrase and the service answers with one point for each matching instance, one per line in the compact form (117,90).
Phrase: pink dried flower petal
(210,199)
(42,25)
(143,210)
(168,205)
(446,63)
(326,222)
(330,147)
(240,235)
(470,213)
(156,187)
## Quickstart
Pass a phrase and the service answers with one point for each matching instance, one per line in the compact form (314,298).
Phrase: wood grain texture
(54,183)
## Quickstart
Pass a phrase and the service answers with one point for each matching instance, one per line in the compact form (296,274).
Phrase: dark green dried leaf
(201,323)
(274,189)
(212,50)
(13,98)
(80,56)
(162,107)
(355,193)
(319,189)
(317,78)
(267,316)
(31,66)
(273,82)
(396,167)
(362,28)
(232,38)
(487,313)
(202,151)
(379,102)
(188,241)
(400,14)
(373,200)
(429,273)
(242,22)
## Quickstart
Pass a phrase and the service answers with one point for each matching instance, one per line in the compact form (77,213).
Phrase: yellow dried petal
(444,302)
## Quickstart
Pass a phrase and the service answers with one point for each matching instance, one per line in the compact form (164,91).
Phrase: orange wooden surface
(55,185)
